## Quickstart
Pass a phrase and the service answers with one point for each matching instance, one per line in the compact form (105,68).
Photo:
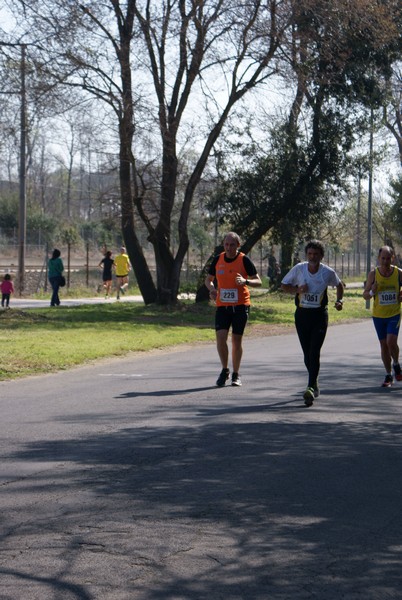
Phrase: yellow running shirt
(122,265)
(386,300)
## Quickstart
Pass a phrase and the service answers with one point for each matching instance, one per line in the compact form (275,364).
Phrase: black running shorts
(232,316)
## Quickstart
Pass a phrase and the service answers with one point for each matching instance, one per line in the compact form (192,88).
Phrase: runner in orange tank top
(234,273)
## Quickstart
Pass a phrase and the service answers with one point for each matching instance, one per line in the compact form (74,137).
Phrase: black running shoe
(223,377)
(236,379)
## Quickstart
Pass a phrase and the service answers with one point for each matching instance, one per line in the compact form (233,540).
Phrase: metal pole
(46,268)
(22,202)
(218,157)
(87,266)
(261,252)
(358,222)
(68,264)
(370,201)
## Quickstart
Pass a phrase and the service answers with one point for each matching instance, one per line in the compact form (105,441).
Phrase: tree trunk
(135,252)
(168,270)
(126,136)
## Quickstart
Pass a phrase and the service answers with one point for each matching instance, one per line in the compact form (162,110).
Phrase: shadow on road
(286,510)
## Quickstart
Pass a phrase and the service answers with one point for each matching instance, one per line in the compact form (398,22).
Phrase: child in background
(7,288)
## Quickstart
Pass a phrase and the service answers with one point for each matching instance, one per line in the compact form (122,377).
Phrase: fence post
(68,264)
(87,266)
(46,265)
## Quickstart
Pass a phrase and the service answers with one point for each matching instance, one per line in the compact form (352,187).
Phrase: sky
(6,20)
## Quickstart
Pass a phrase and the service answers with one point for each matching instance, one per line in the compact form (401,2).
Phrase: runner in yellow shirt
(122,267)
(384,287)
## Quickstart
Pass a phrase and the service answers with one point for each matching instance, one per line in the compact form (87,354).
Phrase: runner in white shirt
(309,282)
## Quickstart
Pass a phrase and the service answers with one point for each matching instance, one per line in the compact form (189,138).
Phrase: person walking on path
(234,273)
(274,269)
(7,288)
(55,274)
(383,286)
(309,281)
(106,264)
(123,267)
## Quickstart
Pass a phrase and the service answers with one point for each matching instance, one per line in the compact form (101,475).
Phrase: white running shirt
(317,283)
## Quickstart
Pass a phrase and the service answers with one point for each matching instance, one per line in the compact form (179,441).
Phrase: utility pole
(22,221)
(359,190)
(218,157)
(370,200)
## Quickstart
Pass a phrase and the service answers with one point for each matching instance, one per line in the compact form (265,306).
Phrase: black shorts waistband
(235,307)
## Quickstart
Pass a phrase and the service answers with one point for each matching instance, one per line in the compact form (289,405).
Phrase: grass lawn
(44,340)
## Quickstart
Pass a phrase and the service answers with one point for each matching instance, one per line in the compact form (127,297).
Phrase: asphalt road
(138,479)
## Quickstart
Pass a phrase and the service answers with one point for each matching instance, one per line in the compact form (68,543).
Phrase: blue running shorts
(387,326)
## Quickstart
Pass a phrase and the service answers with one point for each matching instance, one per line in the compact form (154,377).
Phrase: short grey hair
(234,235)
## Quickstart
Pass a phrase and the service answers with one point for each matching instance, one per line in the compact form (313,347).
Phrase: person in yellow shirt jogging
(384,287)
(122,267)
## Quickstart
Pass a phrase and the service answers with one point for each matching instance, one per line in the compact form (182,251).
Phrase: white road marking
(121,375)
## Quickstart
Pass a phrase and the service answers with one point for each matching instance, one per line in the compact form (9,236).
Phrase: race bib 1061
(310,300)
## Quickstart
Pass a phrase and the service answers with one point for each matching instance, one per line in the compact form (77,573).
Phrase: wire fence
(82,265)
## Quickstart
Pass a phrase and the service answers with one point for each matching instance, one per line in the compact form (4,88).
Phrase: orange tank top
(229,293)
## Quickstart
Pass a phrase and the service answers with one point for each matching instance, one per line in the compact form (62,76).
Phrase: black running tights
(311,327)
